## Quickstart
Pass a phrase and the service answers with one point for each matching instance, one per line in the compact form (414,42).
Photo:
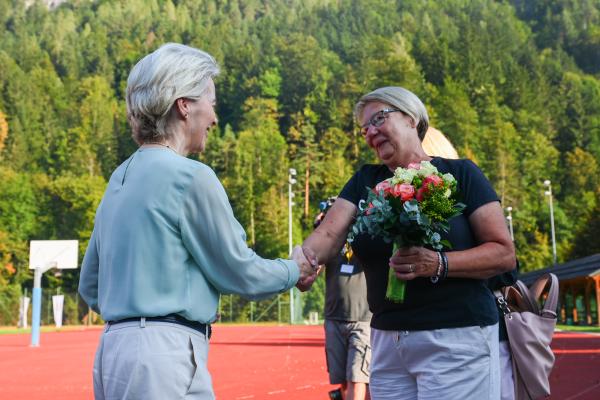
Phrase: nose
(371,131)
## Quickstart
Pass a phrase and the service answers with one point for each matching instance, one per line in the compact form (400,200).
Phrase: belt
(205,329)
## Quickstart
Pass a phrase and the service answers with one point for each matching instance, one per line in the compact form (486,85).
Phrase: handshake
(308,264)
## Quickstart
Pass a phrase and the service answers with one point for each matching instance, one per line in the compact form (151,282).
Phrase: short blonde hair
(401,99)
(160,78)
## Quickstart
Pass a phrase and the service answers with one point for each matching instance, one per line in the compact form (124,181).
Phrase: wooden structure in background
(579,289)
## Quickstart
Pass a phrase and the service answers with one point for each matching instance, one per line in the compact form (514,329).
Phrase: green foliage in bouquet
(413,208)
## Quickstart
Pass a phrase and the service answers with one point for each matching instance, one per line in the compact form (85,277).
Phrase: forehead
(371,109)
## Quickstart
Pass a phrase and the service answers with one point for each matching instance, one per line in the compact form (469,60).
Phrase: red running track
(246,362)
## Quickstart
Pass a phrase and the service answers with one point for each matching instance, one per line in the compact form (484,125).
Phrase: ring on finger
(411,268)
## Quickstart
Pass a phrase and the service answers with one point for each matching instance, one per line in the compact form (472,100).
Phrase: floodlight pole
(291,181)
(509,218)
(548,193)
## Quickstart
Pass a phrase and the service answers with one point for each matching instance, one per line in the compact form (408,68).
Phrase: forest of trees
(515,85)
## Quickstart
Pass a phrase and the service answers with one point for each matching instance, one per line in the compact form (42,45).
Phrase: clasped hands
(309,267)
(408,263)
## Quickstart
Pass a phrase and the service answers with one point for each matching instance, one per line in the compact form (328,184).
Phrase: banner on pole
(23,308)
(57,309)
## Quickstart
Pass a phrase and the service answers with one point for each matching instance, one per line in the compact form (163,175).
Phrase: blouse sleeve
(88,278)
(217,242)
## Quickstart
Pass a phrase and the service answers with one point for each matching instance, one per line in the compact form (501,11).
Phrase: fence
(231,309)
(235,309)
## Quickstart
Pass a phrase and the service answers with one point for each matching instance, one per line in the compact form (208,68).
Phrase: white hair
(154,84)
(401,99)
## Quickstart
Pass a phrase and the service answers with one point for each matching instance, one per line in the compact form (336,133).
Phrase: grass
(11,330)
(578,328)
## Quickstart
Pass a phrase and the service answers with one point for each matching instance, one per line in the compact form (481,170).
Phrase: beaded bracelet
(440,268)
(445,262)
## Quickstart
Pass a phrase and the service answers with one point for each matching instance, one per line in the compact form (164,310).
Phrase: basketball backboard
(46,254)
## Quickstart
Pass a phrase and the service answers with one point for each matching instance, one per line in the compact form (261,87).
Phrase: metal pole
(48,308)
(291,181)
(552,228)
(510,223)
(549,194)
(36,312)
(290,214)
(220,307)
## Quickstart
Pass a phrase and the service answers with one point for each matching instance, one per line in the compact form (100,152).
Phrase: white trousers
(506,372)
(151,360)
(453,364)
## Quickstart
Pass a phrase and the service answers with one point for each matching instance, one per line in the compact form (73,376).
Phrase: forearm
(324,245)
(327,240)
(494,255)
(482,262)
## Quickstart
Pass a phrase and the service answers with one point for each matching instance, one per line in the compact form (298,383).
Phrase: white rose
(427,169)
(448,178)
(402,175)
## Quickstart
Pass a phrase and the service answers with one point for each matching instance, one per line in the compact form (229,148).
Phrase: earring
(185,116)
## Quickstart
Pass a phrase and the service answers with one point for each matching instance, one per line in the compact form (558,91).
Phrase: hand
(307,272)
(412,262)
(311,257)
(305,284)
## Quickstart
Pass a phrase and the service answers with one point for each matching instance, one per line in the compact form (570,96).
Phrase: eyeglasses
(377,120)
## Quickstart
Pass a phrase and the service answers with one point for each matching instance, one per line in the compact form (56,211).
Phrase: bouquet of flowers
(412,208)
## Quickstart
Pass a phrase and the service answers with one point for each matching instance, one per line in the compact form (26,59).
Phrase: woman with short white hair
(442,341)
(166,243)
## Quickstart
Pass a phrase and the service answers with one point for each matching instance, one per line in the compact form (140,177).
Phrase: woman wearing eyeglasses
(442,341)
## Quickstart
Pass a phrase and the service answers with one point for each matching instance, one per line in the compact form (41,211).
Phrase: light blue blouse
(166,241)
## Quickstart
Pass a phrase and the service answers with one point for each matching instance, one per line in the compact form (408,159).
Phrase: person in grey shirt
(165,242)
(347,318)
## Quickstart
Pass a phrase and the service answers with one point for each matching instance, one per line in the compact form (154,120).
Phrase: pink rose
(433,179)
(369,209)
(383,185)
(404,190)
(414,165)
(428,184)
(421,193)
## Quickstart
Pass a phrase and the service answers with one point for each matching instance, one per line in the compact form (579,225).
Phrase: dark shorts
(348,351)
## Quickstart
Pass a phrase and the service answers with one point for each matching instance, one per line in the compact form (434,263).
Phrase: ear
(183,107)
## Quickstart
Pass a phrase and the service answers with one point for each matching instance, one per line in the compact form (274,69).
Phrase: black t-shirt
(452,303)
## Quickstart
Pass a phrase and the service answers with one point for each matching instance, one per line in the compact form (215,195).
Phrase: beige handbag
(530,328)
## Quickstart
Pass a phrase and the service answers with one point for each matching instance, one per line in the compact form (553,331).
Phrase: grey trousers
(348,351)
(151,360)
(457,363)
